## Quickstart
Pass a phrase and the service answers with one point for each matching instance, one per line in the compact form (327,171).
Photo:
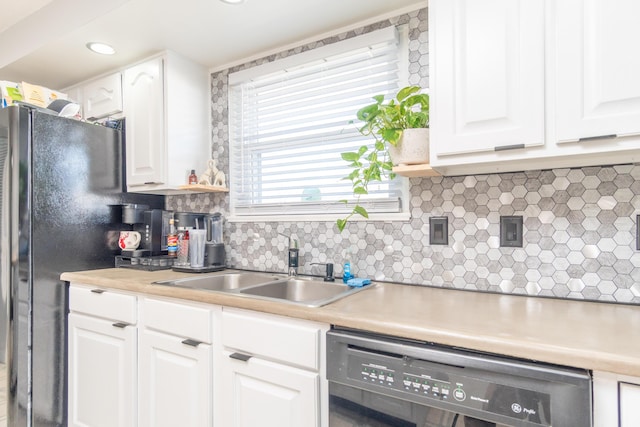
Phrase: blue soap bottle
(346,268)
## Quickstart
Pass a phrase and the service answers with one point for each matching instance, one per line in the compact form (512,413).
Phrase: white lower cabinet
(267,394)
(102,359)
(175,364)
(175,381)
(616,400)
(629,396)
(272,371)
(137,360)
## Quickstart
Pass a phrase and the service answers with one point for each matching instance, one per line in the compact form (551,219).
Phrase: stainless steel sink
(301,291)
(311,293)
(222,282)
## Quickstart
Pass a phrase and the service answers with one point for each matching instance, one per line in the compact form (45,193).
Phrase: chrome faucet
(293,255)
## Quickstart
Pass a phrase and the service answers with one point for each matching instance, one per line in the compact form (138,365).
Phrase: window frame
(292,61)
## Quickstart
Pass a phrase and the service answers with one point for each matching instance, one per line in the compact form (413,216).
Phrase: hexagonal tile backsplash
(579,227)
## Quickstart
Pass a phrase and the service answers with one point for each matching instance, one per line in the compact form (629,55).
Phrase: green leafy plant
(384,121)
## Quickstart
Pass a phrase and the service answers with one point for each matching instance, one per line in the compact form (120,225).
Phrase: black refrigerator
(62,188)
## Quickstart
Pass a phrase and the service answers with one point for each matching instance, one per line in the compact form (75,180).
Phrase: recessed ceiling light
(232,1)
(101,48)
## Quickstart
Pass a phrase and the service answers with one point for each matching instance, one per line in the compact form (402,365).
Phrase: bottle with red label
(172,240)
(193,178)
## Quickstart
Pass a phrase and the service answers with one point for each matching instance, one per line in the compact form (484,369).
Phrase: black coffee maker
(153,226)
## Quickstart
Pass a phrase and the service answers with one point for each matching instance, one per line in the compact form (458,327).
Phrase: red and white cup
(129,240)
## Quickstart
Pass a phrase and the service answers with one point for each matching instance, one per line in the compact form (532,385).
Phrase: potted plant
(392,125)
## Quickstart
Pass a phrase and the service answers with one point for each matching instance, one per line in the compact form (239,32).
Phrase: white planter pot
(412,149)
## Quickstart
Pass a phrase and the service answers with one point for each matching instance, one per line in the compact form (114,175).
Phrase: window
(290,120)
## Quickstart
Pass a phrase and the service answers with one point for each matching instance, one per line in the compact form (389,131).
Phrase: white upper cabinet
(166,105)
(145,133)
(98,98)
(531,84)
(598,88)
(487,75)
(103,97)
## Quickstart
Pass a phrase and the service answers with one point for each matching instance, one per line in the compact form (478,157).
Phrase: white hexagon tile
(579,228)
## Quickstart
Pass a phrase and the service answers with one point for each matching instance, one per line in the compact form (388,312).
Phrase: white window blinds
(290,120)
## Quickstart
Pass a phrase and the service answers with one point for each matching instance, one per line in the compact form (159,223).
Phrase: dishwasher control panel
(425,382)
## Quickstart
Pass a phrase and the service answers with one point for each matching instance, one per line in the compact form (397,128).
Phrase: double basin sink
(296,290)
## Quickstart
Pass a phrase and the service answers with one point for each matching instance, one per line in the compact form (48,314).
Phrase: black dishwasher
(381,381)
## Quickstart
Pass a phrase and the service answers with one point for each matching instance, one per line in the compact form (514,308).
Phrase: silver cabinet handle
(146,183)
(192,343)
(508,147)
(240,356)
(592,138)
(120,325)
(97,291)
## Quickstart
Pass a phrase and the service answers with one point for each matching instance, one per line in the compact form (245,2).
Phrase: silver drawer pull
(508,147)
(240,356)
(120,325)
(593,138)
(192,343)
(97,291)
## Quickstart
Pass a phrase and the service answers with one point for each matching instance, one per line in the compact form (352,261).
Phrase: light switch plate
(438,230)
(511,231)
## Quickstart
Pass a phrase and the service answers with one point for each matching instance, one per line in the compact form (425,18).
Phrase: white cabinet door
(103,97)
(629,404)
(102,372)
(597,68)
(487,75)
(143,91)
(266,394)
(175,382)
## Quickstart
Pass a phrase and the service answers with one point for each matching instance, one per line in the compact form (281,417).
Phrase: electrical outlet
(511,231)
(438,230)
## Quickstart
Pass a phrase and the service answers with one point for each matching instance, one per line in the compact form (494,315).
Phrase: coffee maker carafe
(214,246)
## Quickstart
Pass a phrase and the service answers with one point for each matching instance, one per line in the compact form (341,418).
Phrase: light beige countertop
(589,335)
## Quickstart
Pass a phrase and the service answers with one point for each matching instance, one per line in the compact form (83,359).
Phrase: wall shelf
(414,171)
(200,188)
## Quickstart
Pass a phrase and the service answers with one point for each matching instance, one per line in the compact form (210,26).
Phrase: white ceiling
(43,41)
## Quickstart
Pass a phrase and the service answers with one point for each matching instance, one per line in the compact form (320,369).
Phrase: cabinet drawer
(180,319)
(292,341)
(103,303)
